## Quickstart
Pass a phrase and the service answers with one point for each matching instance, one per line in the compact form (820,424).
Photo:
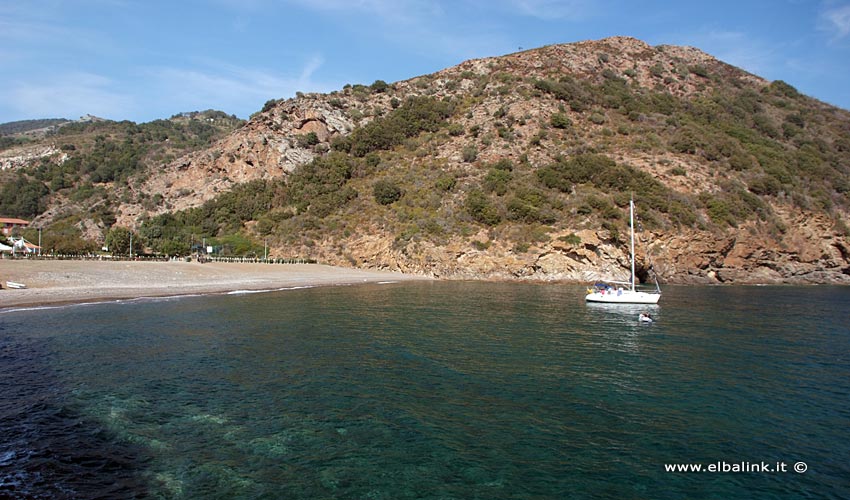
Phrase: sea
(430,390)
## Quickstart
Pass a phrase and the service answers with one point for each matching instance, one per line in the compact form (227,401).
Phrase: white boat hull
(610,295)
(12,284)
(623,297)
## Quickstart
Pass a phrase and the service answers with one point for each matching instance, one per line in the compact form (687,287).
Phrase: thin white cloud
(24,35)
(231,88)
(811,67)
(69,95)
(392,11)
(453,30)
(18,32)
(243,5)
(166,90)
(735,48)
(7,57)
(429,42)
(552,9)
(836,20)
(311,67)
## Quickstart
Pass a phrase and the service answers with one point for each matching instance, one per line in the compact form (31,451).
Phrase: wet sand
(71,281)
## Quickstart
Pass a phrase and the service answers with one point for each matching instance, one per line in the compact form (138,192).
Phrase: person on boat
(645,317)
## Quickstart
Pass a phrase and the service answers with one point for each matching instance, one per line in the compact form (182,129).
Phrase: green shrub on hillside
(446,183)
(504,164)
(456,130)
(320,186)
(699,70)
(479,206)
(8,142)
(571,239)
(416,115)
(386,191)
(603,207)
(307,140)
(567,89)
(561,120)
(269,105)
(530,206)
(686,140)
(779,87)
(765,185)
(598,118)
(23,197)
(733,205)
(379,86)
(580,169)
(606,175)
(765,125)
(496,181)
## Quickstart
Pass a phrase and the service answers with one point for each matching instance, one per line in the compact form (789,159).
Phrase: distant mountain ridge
(23,126)
(512,167)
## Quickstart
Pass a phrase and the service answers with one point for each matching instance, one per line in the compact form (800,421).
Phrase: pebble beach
(51,282)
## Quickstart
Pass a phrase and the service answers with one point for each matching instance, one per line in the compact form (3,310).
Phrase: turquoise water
(428,390)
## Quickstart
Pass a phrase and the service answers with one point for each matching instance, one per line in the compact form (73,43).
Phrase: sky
(143,60)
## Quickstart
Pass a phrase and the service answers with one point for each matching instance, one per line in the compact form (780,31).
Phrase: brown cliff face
(812,255)
(265,148)
(809,252)
(710,134)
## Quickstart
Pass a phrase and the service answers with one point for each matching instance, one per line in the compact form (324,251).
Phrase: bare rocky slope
(710,134)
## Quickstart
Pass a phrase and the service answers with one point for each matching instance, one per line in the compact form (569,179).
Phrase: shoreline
(55,283)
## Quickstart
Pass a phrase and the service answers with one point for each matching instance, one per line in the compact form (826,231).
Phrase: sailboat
(617,294)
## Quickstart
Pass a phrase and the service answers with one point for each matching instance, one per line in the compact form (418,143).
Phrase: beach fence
(162,258)
(257,260)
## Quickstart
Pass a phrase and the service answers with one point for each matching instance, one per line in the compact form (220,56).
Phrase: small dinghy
(645,318)
(12,284)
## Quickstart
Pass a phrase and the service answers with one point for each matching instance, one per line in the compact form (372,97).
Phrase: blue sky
(141,60)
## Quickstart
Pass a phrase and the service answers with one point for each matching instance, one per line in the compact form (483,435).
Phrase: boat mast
(632,227)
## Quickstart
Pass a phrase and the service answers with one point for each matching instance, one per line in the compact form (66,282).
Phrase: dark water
(429,390)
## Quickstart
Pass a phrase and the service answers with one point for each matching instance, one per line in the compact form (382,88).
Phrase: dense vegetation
(103,160)
(312,193)
(416,115)
(23,198)
(220,221)
(427,167)
(755,145)
(19,127)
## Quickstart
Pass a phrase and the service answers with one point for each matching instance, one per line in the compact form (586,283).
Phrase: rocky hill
(72,176)
(521,166)
(34,127)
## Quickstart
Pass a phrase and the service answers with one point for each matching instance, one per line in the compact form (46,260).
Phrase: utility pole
(131,245)
(39,242)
